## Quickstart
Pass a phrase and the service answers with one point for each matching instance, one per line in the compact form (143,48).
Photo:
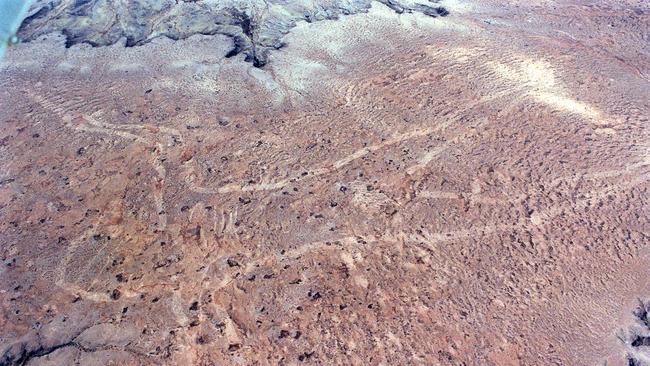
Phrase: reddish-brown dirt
(389,189)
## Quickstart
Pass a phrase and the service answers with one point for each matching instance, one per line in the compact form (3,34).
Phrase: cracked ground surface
(388,189)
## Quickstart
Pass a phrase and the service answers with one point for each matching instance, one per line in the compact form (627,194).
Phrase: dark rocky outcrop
(254,27)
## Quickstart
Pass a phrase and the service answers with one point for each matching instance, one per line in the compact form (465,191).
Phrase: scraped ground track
(465,192)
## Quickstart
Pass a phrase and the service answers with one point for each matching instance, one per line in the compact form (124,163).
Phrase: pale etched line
(88,265)
(537,219)
(110,129)
(325,169)
(45,103)
(215,221)
(66,284)
(427,158)
(230,188)
(338,243)
(342,162)
(96,121)
(569,179)
(230,223)
(178,308)
(95,126)
(93,296)
(604,173)
(193,210)
(344,242)
(430,239)
(473,232)
(60,277)
(541,217)
(202,220)
(159,185)
(156,161)
(585,200)
(469,196)
(396,139)
(439,195)
(224,222)
(49,106)
(99,126)
(125,135)
(566,104)
(391,141)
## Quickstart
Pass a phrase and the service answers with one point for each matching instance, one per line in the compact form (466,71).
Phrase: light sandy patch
(301,74)
(538,77)
(566,104)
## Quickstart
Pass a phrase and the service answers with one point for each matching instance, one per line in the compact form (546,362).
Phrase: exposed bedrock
(254,26)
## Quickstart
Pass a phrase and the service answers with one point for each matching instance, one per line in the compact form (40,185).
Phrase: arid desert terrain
(449,182)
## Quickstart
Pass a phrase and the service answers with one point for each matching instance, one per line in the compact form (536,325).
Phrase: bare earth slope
(387,189)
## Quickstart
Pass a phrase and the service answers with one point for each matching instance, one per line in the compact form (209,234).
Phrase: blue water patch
(12,13)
